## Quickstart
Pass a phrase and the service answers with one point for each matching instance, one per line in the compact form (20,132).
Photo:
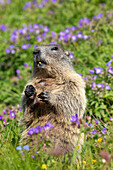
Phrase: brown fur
(66,92)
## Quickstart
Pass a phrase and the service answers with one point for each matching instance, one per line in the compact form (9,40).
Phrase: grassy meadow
(83,27)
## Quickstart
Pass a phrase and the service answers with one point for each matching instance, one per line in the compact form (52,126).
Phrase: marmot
(54,93)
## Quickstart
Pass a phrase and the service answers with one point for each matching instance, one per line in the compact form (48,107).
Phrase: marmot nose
(37,51)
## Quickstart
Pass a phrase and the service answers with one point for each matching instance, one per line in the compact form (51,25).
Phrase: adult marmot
(54,93)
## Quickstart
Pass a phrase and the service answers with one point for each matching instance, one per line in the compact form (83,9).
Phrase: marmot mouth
(40,62)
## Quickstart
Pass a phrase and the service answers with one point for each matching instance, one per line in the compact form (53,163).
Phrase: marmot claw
(29,91)
(44,96)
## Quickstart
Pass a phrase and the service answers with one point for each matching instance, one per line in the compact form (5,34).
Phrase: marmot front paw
(44,96)
(29,91)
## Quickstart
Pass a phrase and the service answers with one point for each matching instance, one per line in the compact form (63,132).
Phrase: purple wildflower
(97,122)
(31,131)
(71,55)
(27,37)
(17,71)
(98,70)
(8,1)
(37,31)
(3,27)
(18,148)
(31,29)
(94,77)
(41,5)
(84,21)
(103,3)
(13,51)
(26,147)
(25,64)
(53,1)
(80,74)
(53,34)
(74,119)
(100,85)
(99,15)
(46,29)
(30,67)
(108,63)
(44,35)
(85,37)
(74,37)
(12,114)
(79,35)
(85,78)
(67,30)
(37,129)
(88,132)
(111,56)
(107,87)
(111,119)
(93,85)
(45,1)
(1,117)
(91,71)
(41,26)
(94,132)
(39,38)
(14,36)
(88,124)
(35,26)
(35,45)
(27,5)
(53,42)
(11,46)
(25,46)
(73,28)
(33,156)
(110,70)
(1,1)
(23,30)
(47,126)
(104,130)
(5,123)
(5,112)
(7,50)
(20,109)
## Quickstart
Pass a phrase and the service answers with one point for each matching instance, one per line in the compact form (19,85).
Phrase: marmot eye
(54,48)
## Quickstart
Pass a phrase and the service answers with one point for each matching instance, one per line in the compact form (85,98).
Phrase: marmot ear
(67,53)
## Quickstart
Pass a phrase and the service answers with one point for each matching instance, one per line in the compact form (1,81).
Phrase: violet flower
(12,114)
(25,64)
(1,117)
(74,119)
(104,130)
(47,126)
(94,132)
(26,147)
(98,70)
(17,71)
(37,129)
(107,87)
(18,148)
(91,71)
(100,85)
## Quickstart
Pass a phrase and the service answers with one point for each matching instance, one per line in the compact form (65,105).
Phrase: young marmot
(54,93)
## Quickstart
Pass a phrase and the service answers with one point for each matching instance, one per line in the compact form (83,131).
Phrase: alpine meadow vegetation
(85,28)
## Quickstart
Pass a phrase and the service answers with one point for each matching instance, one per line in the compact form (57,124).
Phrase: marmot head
(51,60)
